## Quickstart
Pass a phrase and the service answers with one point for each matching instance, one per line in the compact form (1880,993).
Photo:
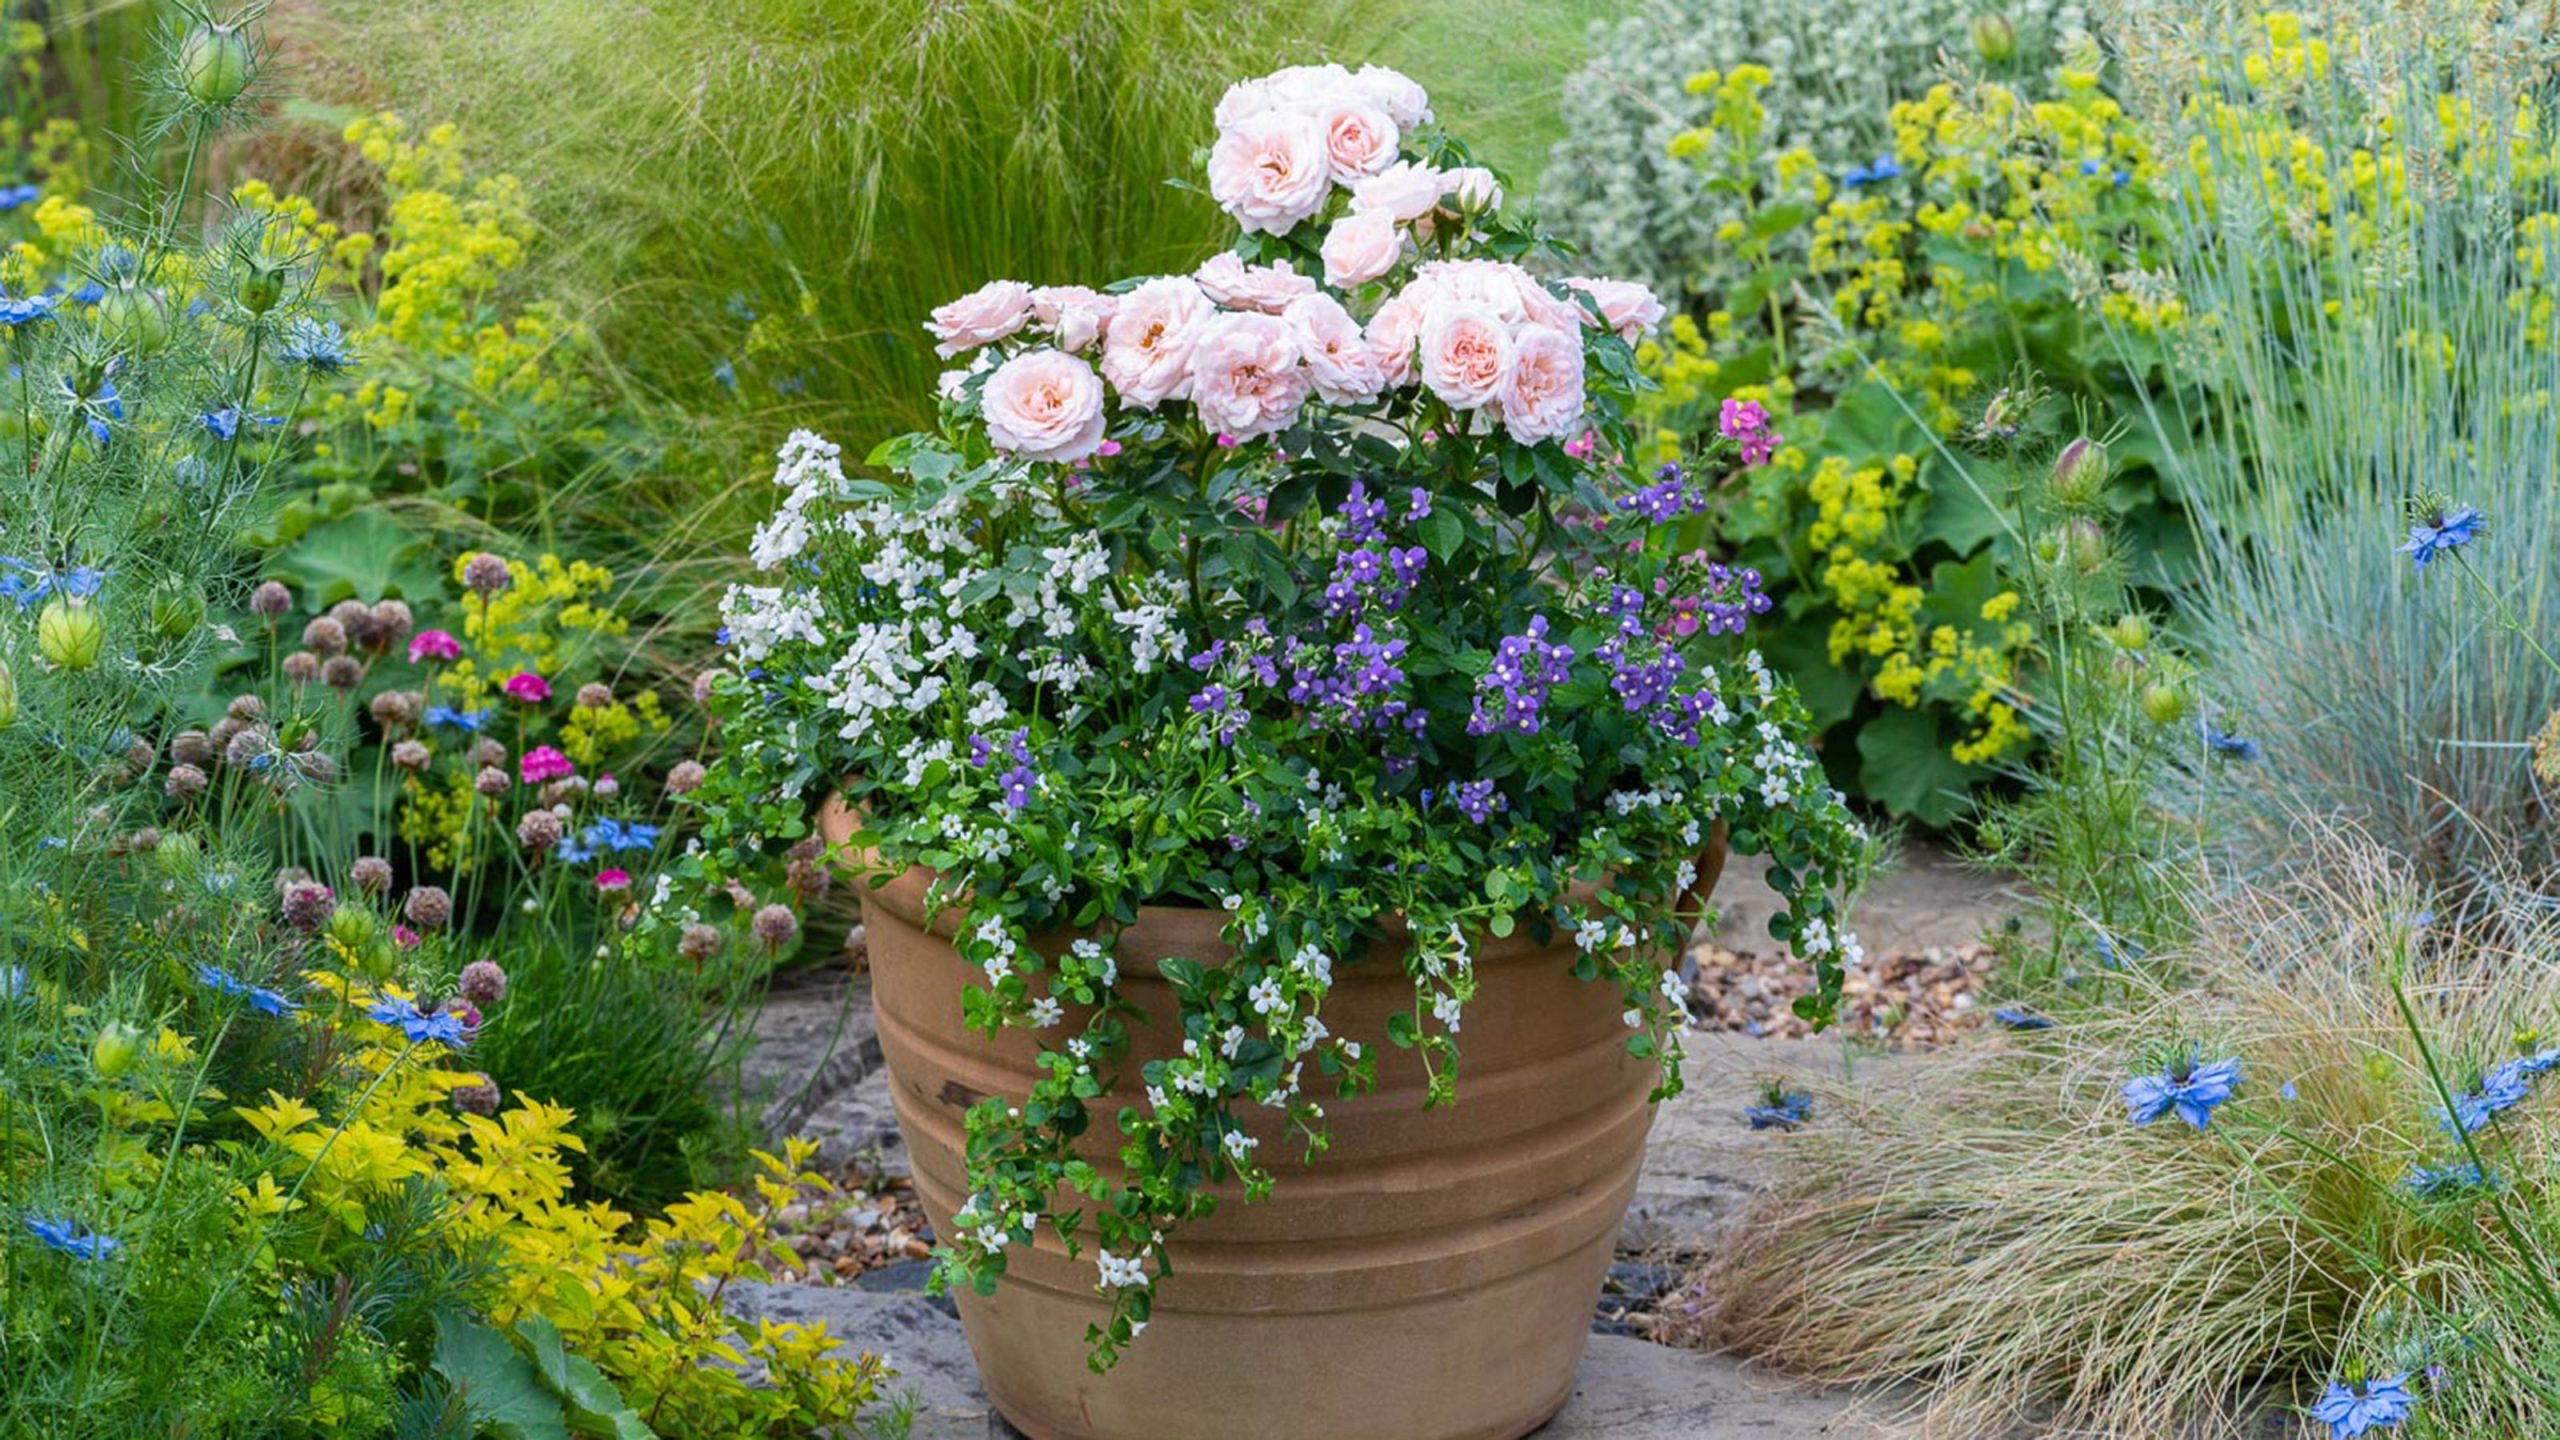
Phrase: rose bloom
(1360,248)
(1296,89)
(528,687)
(1625,306)
(1542,396)
(434,645)
(1475,187)
(1238,286)
(1146,352)
(990,312)
(1359,139)
(1044,405)
(1466,354)
(1245,377)
(1336,353)
(1075,314)
(1407,190)
(1270,171)
(1397,328)
(1394,92)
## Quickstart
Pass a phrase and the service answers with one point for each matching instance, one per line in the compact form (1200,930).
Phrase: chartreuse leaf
(500,1389)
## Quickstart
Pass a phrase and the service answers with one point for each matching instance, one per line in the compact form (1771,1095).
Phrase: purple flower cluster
(1645,672)
(1223,705)
(1360,689)
(1363,519)
(1667,499)
(1017,784)
(1725,603)
(1366,573)
(1478,800)
(1513,692)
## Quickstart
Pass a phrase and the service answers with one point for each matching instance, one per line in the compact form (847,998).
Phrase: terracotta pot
(1431,1277)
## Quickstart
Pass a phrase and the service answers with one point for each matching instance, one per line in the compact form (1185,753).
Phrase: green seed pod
(353,926)
(70,634)
(379,960)
(135,317)
(177,608)
(116,1048)
(2080,472)
(2165,703)
(1994,38)
(180,854)
(214,63)
(262,284)
(2132,632)
(8,696)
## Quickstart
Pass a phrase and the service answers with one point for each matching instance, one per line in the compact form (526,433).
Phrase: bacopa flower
(528,687)
(2183,1086)
(543,764)
(2350,1408)
(67,1237)
(261,999)
(2439,530)
(438,645)
(420,1026)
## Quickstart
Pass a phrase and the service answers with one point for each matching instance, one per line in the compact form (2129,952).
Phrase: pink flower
(434,645)
(1075,314)
(1146,352)
(1359,138)
(1581,446)
(1625,306)
(990,312)
(1475,187)
(1396,329)
(1406,190)
(1044,405)
(613,882)
(1253,507)
(1336,353)
(405,938)
(1542,396)
(1267,288)
(542,764)
(1245,377)
(1270,171)
(528,687)
(1744,422)
(1466,355)
(1360,248)
(1394,92)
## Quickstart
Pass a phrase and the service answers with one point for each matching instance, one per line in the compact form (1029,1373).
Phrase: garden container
(1430,1277)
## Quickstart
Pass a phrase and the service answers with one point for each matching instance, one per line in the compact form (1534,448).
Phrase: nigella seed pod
(8,696)
(353,926)
(135,317)
(2080,472)
(118,1045)
(2131,632)
(262,284)
(70,634)
(176,609)
(214,64)
(1994,38)
(2165,703)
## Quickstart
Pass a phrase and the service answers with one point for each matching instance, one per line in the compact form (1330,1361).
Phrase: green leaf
(1442,533)
(500,1390)
(1906,766)
(595,1407)
(365,556)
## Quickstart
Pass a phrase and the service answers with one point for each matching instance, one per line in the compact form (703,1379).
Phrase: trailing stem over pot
(1304,587)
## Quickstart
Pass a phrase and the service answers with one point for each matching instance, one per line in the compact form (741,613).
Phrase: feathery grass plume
(2367,219)
(2009,1244)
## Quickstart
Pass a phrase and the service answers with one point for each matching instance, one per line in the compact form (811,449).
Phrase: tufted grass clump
(2007,1244)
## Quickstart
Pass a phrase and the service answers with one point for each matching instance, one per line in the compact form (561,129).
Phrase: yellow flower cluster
(644,1307)
(546,605)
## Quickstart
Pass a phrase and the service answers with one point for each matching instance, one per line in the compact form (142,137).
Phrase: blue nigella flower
(618,835)
(2227,745)
(98,409)
(224,424)
(452,719)
(317,346)
(2500,1089)
(28,582)
(725,375)
(2427,1182)
(1885,168)
(89,293)
(1786,1112)
(18,310)
(2351,1410)
(420,1026)
(572,852)
(14,196)
(2184,1087)
(260,998)
(67,1237)
(2288,1092)
(2441,530)
(2017,1019)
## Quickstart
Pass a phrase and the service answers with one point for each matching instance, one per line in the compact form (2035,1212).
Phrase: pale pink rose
(1406,190)
(1542,396)
(1492,285)
(1475,187)
(1246,381)
(1270,171)
(1298,89)
(1267,288)
(1466,354)
(1397,328)
(1625,306)
(988,313)
(1075,314)
(1359,139)
(1336,353)
(1044,405)
(1394,92)
(1146,350)
(1360,248)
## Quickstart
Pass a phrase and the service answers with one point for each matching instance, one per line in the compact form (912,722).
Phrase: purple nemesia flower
(1478,799)
(1016,785)
(1362,516)
(1513,691)
(1421,508)
(1220,703)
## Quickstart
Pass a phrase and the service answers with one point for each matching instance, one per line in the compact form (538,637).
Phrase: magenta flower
(543,764)
(434,645)
(404,937)
(528,687)
(613,882)
(1744,422)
